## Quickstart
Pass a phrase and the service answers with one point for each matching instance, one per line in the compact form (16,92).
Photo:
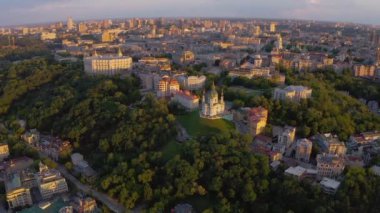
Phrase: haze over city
(17,12)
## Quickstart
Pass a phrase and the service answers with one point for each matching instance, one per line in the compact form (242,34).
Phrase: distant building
(167,87)
(70,23)
(212,106)
(50,182)
(48,36)
(16,194)
(364,71)
(329,186)
(109,35)
(303,150)
(107,64)
(292,93)
(4,151)
(187,57)
(272,27)
(192,82)
(82,28)
(186,99)
(329,165)
(378,56)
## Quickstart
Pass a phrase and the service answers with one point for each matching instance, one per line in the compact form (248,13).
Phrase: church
(212,106)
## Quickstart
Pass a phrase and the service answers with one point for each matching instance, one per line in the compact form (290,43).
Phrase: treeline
(25,47)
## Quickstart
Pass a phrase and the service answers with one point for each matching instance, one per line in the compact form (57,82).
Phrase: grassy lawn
(196,125)
(171,149)
(247,91)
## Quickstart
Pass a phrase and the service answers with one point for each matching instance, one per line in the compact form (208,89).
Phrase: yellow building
(4,151)
(16,194)
(257,120)
(167,87)
(187,57)
(109,36)
(272,27)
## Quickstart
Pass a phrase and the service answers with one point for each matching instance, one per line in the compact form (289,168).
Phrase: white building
(292,93)
(192,82)
(212,106)
(48,36)
(107,64)
(186,99)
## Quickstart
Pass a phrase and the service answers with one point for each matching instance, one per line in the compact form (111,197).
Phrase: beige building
(254,119)
(50,182)
(4,151)
(303,150)
(107,64)
(31,137)
(167,87)
(212,106)
(272,27)
(292,93)
(70,23)
(329,165)
(187,57)
(16,194)
(331,144)
(186,99)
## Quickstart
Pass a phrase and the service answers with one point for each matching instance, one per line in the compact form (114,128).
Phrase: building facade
(186,99)
(212,106)
(192,82)
(303,150)
(107,65)
(167,87)
(16,194)
(292,93)
(329,165)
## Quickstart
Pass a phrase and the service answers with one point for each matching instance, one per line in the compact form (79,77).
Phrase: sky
(18,12)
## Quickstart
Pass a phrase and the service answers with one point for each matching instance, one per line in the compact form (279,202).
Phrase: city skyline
(41,11)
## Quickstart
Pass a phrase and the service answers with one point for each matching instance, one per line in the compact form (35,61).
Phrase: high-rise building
(107,64)
(256,30)
(378,56)
(303,150)
(212,106)
(70,23)
(272,27)
(279,42)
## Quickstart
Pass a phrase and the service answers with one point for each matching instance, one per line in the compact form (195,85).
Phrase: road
(112,204)
(105,199)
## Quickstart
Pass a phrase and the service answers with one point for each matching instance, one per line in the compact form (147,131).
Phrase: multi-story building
(186,99)
(187,57)
(192,82)
(378,56)
(364,71)
(292,93)
(16,194)
(162,64)
(254,119)
(50,182)
(82,28)
(257,120)
(212,106)
(331,144)
(285,135)
(303,150)
(107,64)
(4,151)
(85,205)
(329,165)
(109,36)
(167,87)
(329,186)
